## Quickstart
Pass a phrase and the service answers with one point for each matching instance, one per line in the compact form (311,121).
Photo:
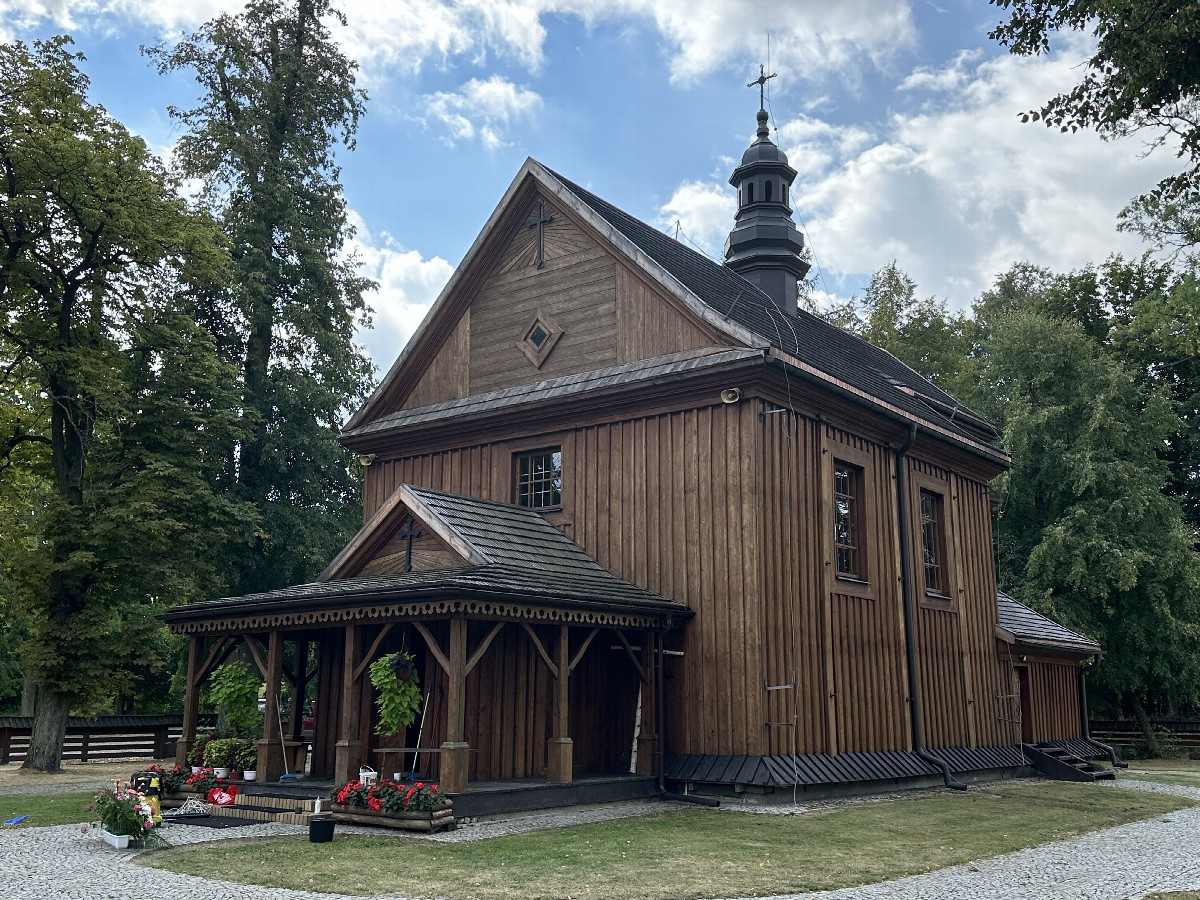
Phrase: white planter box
(120,841)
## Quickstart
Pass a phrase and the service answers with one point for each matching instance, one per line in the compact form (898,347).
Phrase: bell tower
(764,246)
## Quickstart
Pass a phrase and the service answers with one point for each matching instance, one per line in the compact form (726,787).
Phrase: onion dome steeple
(764,246)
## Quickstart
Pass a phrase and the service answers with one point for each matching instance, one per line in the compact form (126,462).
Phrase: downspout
(906,590)
(1116,761)
(660,722)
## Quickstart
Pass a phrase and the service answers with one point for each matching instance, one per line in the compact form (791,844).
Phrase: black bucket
(320,829)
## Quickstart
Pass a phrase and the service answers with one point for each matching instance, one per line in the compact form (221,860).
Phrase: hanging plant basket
(403,665)
(399,698)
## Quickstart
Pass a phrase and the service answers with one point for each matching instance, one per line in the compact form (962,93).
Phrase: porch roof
(514,556)
(1024,626)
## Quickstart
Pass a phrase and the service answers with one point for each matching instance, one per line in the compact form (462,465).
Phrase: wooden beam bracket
(583,649)
(483,645)
(442,659)
(370,654)
(537,643)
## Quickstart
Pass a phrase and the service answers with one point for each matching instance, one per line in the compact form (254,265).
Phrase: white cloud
(704,212)
(958,192)
(814,40)
(482,109)
(408,285)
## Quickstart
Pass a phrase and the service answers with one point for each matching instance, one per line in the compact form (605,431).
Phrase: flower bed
(125,812)
(387,804)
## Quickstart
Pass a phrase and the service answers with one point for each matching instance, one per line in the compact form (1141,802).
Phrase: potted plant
(221,755)
(204,781)
(247,759)
(390,804)
(126,817)
(399,698)
(195,756)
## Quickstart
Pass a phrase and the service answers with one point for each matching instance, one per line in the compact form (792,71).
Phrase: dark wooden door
(1026,702)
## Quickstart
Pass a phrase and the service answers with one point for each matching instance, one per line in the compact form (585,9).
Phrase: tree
(278,96)
(114,400)
(1085,533)
(1144,75)
(923,334)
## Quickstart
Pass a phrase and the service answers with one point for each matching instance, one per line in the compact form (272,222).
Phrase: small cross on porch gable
(538,221)
(408,531)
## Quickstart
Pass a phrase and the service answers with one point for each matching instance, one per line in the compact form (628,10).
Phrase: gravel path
(1118,864)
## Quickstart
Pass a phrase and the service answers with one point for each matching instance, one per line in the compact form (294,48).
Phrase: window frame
(939,489)
(861,584)
(518,456)
(855,547)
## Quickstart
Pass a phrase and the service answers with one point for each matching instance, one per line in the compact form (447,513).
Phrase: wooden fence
(104,737)
(1114,731)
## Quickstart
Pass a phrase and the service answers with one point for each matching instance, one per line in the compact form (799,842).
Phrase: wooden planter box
(429,820)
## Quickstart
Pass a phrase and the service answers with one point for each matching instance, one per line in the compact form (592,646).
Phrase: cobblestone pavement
(1120,863)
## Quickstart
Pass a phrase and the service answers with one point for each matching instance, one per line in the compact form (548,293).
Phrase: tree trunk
(29,695)
(1143,720)
(49,730)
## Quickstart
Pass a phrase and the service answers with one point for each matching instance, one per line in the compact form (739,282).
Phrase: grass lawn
(1185,780)
(1170,765)
(47,809)
(691,853)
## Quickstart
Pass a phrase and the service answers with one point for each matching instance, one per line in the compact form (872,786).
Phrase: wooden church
(633,511)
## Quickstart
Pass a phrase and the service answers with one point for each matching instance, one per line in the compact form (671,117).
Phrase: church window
(539,338)
(848,520)
(539,479)
(784,190)
(933,542)
(767,191)
(749,191)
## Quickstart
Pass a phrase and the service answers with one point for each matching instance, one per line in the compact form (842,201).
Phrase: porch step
(492,798)
(1060,764)
(259,808)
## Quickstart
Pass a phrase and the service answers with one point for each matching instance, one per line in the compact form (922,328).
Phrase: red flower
(375,803)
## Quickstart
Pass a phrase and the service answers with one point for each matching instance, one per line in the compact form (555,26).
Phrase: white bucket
(367,775)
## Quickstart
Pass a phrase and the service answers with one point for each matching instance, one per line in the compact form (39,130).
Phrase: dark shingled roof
(805,337)
(660,367)
(1030,627)
(528,560)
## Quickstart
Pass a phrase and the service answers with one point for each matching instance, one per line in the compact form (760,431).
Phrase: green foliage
(277,96)
(1088,531)
(398,701)
(112,380)
(246,755)
(223,753)
(123,810)
(923,334)
(236,688)
(1143,74)
(196,754)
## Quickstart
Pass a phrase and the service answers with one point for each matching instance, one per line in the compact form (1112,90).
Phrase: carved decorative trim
(425,609)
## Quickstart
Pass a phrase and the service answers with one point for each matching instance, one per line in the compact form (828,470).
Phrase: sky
(902,119)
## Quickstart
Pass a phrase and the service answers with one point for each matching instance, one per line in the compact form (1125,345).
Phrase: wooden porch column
(647,744)
(270,748)
(454,750)
(299,683)
(559,747)
(348,751)
(191,701)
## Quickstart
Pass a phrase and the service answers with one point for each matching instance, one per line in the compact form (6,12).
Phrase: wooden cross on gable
(408,531)
(537,222)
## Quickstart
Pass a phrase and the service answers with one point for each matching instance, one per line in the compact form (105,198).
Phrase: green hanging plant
(235,688)
(399,689)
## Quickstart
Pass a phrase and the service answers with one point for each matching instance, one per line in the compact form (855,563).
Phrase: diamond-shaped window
(540,337)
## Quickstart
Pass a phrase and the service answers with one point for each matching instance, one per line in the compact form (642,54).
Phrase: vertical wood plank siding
(721,508)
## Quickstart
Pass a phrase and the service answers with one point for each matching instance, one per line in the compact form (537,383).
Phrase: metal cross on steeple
(761,81)
(408,531)
(537,222)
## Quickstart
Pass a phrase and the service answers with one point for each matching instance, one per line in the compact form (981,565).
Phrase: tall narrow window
(848,520)
(749,191)
(767,191)
(933,546)
(539,479)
